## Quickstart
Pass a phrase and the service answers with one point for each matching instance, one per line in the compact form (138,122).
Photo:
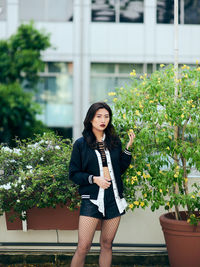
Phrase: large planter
(60,218)
(182,240)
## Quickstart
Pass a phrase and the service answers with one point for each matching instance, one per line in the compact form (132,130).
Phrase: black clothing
(100,148)
(84,163)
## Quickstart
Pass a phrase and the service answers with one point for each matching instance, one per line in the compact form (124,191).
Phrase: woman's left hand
(131,139)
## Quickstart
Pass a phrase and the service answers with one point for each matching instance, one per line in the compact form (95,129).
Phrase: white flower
(12,160)
(6,149)
(57,147)
(6,186)
(23,186)
(29,167)
(17,151)
(42,159)
(18,200)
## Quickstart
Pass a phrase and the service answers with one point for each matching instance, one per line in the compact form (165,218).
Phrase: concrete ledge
(56,259)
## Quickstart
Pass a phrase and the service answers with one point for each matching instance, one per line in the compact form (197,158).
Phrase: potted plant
(34,184)
(165,151)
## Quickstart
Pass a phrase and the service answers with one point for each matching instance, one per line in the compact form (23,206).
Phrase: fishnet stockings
(108,232)
(87,227)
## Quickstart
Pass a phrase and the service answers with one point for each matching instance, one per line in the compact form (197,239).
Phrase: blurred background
(95,44)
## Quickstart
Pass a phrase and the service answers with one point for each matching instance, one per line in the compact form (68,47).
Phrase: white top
(121,202)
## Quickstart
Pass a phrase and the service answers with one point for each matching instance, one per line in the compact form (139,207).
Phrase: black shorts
(111,210)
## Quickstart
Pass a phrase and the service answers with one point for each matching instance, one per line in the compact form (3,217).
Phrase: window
(105,77)
(46,10)
(2,10)
(117,10)
(55,94)
(189,11)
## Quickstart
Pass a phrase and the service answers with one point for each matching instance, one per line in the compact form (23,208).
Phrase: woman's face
(100,120)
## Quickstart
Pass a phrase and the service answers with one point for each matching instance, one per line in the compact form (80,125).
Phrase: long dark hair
(111,139)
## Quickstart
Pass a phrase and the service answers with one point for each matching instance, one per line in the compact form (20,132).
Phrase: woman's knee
(83,248)
(106,243)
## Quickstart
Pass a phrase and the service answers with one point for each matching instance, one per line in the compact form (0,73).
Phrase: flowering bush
(167,144)
(35,174)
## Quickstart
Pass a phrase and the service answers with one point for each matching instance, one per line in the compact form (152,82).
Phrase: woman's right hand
(102,181)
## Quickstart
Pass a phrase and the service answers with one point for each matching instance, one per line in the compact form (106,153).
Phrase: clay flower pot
(182,240)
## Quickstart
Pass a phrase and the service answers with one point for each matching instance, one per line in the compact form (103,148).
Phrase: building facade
(96,44)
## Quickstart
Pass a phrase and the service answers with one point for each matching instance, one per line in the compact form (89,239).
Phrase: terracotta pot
(182,240)
(60,218)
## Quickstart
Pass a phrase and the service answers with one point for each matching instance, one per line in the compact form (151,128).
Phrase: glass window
(105,77)
(165,11)
(42,10)
(191,11)
(132,11)
(2,10)
(103,10)
(117,10)
(55,94)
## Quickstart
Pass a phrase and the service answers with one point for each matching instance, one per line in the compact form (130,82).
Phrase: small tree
(20,62)
(20,56)
(149,109)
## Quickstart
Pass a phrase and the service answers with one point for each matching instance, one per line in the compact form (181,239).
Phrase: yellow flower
(160,190)
(182,116)
(138,173)
(130,206)
(147,96)
(186,180)
(133,73)
(193,106)
(111,93)
(141,77)
(143,83)
(166,116)
(176,175)
(186,76)
(130,131)
(162,65)
(137,112)
(135,127)
(136,203)
(142,204)
(121,88)
(124,116)
(115,99)
(138,94)
(160,172)
(148,165)
(131,166)
(170,137)
(188,220)
(187,67)
(148,176)
(193,196)
(167,203)
(140,105)
(198,69)
(183,67)
(168,148)
(151,101)
(145,195)
(132,181)
(177,167)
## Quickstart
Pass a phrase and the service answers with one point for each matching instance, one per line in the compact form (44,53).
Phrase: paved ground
(62,258)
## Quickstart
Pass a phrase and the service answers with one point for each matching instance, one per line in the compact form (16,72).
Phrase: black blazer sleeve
(125,159)
(75,167)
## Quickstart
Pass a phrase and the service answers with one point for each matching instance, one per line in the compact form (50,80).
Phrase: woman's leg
(87,227)
(108,231)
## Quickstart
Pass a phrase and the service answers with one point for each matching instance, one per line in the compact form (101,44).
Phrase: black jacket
(84,162)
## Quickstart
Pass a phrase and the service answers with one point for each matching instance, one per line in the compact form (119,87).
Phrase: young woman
(96,165)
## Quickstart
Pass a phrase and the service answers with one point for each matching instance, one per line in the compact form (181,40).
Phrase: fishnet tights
(87,227)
